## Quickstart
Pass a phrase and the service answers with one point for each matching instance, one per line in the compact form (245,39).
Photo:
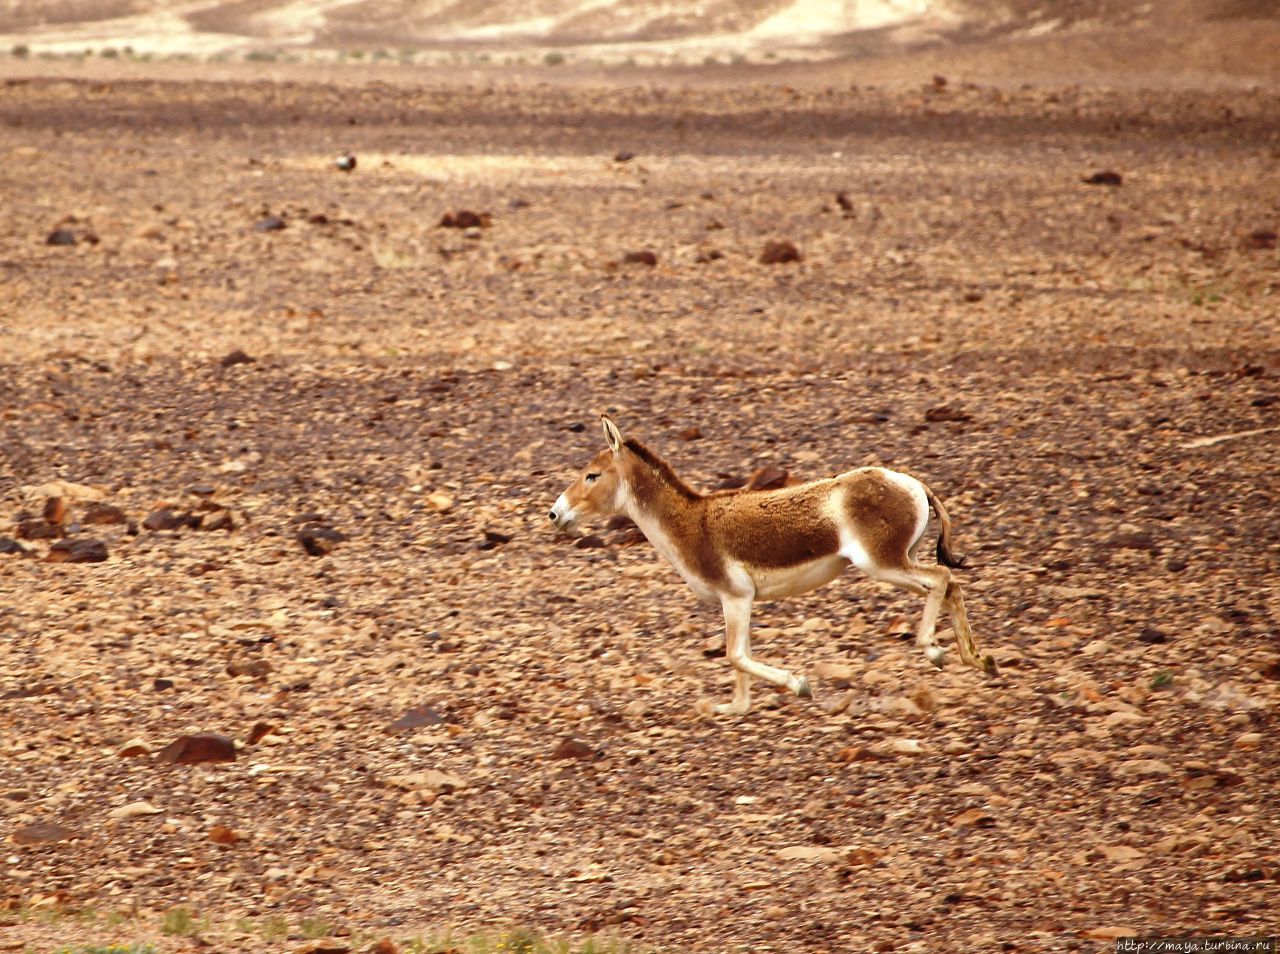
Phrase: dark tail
(946,556)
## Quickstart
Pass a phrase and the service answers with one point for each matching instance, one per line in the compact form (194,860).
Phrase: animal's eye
(592,478)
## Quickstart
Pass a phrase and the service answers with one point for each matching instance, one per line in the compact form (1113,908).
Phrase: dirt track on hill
(1087,374)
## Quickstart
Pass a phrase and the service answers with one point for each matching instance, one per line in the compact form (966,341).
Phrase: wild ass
(739,546)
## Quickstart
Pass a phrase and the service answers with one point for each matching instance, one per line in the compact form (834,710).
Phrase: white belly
(777,583)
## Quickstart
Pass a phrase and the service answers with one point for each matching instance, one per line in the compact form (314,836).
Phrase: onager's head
(599,491)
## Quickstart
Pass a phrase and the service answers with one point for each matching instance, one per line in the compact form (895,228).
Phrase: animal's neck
(669,514)
(655,491)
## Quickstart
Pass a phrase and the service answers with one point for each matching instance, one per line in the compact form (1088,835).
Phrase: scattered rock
(1105,177)
(1133,540)
(216,520)
(416,718)
(40,529)
(439,501)
(55,511)
(465,219)
(842,200)
(10,545)
(42,833)
(232,358)
(778,253)
(708,255)
(590,542)
(138,809)
(767,478)
(198,748)
(60,237)
(623,155)
(222,835)
(103,514)
(78,550)
(947,412)
(320,541)
(1152,636)
(1260,240)
(493,539)
(573,749)
(345,162)
(693,433)
(133,749)
(642,257)
(166,519)
(272,223)
(259,732)
(254,668)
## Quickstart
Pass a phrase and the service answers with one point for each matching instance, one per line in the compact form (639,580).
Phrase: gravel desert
(290,659)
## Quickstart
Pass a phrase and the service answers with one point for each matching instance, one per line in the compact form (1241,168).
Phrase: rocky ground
(314,434)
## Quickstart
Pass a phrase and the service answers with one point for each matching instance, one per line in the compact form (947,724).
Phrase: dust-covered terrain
(304,435)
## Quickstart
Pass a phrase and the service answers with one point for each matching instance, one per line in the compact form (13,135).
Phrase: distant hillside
(1224,37)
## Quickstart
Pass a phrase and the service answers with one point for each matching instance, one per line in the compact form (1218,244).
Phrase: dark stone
(1152,636)
(416,718)
(643,257)
(255,668)
(623,156)
(589,542)
(778,253)
(9,545)
(493,539)
(1105,177)
(101,513)
(1260,240)
(78,550)
(38,530)
(465,219)
(1133,541)
(236,357)
(767,478)
(166,519)
(319,541)
(42,833)
(573,749)
(55,510)
(946,412)
(162,685)
(198,748)
(61,237)
(272,223)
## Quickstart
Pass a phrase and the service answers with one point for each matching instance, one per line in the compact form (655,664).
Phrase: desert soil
(1088,374)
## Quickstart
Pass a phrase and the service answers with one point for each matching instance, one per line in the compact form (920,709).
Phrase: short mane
(661,469)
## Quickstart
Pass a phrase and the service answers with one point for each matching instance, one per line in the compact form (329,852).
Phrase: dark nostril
(553,516)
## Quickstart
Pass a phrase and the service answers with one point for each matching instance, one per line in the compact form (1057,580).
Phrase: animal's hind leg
(930,582)
(965,642)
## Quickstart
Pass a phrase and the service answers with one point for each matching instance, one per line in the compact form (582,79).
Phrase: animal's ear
(611,434)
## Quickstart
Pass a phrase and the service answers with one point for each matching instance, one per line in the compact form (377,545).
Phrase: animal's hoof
(936,655)
(731,708)
(989,666)
(804,690)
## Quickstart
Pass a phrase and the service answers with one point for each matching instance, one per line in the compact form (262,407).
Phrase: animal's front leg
(737,645)
(737,619)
